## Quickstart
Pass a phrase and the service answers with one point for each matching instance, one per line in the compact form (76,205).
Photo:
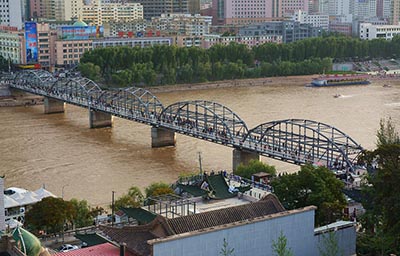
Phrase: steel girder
(134,103)
(204,119)
(304,141)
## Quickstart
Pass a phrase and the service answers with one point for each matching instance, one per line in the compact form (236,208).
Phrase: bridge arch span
(205,119)
(136,102)
(305,141)
(35,78)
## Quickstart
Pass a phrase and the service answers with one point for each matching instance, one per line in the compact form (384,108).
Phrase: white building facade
(317,20)
(12,13)
(369,31)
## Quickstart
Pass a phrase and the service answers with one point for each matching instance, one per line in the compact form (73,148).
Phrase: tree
(3,64)
(280,247)
(381,223)
(312,186)
(158,188)
(82,217)
(225,250)
(90,70)
(50,214)
(387,133)
(133,199)
(329,246)
(254,166)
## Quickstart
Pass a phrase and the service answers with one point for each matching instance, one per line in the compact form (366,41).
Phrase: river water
(62,153)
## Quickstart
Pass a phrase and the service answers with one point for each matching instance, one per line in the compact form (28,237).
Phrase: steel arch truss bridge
(297,141)
(303,141)
(205,120)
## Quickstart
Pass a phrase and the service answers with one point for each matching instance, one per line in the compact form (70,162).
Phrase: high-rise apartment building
(99,13)
(52,9)
(154,8)
(339,7)
(12,13)
(364,9)
(242,12)
(289,7)
(395,12)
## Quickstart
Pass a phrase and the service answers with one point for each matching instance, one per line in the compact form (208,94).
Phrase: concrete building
(369,31)
(289,7)
(131,42)
(125,29)
(250,228)
(210,40)
(154,8)
(364,9)
(10,43)
(339,7)
(183,24)
(289,30)
(317,20)
(99,13)
(341,27)
(12,13)
(395,14)
(243,12)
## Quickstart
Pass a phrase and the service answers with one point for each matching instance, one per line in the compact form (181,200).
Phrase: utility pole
(112,209)
(201,168)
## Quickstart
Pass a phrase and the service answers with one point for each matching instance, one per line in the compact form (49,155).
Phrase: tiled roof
(141,215)
(136,237)
(106,249)
(269,205)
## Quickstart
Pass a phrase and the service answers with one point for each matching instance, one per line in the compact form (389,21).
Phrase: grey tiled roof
(269,205)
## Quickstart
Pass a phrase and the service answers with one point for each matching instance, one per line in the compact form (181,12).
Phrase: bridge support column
(99,119)
(242,157)
(161,137)
(53,106)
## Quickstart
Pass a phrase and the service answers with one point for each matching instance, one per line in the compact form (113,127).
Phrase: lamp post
(62,191)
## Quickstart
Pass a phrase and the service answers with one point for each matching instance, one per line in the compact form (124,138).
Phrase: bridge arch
(205,119)
(305,141)
(35,78)
(78,90)
(136,101)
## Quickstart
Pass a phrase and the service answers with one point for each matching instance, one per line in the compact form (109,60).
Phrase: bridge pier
(242,157)
(99,119)
(161,137)
(52,106)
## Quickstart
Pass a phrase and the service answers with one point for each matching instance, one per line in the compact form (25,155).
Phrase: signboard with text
(80,32)
(31,42)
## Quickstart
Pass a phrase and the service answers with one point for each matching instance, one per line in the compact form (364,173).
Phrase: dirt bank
(284,80)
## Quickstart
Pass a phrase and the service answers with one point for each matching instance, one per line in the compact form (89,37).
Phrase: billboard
(31,42)
(80,32)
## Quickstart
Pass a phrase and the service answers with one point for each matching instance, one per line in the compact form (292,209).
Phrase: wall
(253,238)
(345,237)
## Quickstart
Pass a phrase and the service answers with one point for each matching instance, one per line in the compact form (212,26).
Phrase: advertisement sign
(31,42)
(81,32)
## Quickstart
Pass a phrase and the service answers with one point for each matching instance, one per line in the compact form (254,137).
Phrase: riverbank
(284,80)
(265,81)
(20,101)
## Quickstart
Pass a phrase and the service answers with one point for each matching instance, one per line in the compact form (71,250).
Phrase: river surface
(62,153)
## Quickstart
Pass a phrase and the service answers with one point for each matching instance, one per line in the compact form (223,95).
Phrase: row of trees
(124,66)
(52,215)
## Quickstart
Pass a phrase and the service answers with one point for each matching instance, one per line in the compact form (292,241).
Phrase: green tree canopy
(158,188)
(3,64)
(254,166)
(312,186)
(82,217)
(134,198)
(50,214)
(381,222)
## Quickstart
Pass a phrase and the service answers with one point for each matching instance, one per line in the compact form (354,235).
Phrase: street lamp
(62,191)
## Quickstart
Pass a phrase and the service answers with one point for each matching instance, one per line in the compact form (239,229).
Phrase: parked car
(67,248)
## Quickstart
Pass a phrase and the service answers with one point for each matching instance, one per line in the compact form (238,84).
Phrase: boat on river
(338,80)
